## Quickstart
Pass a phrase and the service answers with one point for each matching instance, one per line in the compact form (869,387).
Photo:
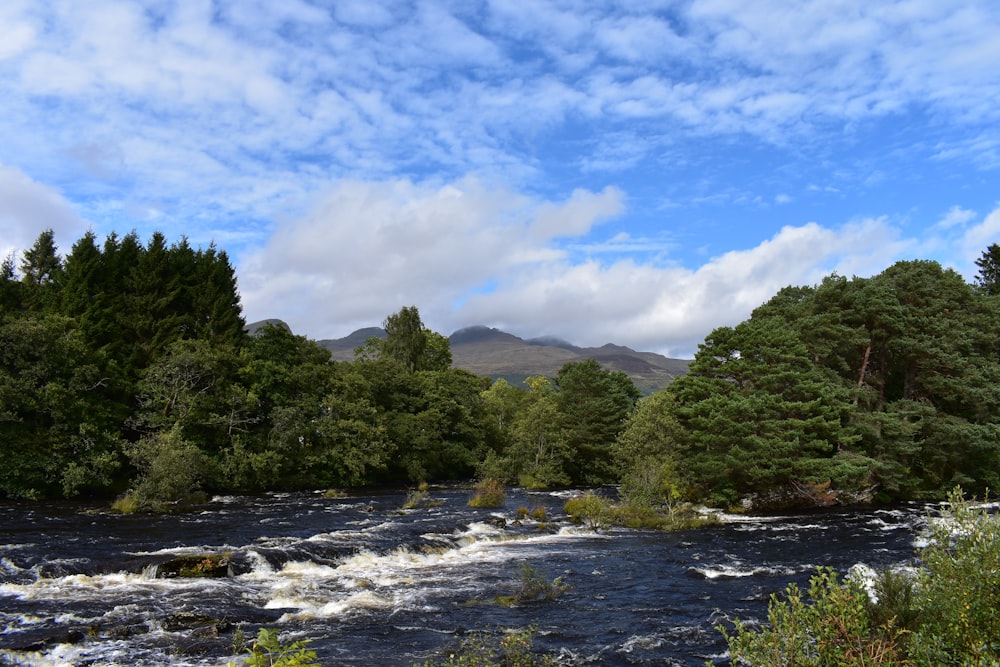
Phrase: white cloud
(955,217)
(466,253)
(974,241)
(27,208)
(368,248)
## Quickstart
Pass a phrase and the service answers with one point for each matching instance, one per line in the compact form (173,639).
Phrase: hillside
(497,354)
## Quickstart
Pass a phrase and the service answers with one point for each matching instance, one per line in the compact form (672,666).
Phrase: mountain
(497,354)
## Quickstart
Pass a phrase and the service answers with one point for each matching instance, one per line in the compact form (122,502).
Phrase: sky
(636,172)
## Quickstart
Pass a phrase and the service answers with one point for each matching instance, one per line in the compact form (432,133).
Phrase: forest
(126,371)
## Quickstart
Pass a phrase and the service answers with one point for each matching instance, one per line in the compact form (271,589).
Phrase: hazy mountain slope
(497,354)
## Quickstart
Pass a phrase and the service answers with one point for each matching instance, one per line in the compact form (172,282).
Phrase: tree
(410,343)
(538,451)
(594,403)
(761,416)
(10,287)
(41,269)
(988,278)
(57,435)
(645,451)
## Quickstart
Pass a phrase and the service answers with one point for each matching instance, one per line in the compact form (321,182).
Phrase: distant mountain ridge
(498,354)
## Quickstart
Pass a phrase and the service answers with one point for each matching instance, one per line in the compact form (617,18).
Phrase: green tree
(56,434)
(10,287)
(645,451)
(988,278)
(538,451)
(594,403)
(410,343)
(171,469)
(761,416)
(41,271)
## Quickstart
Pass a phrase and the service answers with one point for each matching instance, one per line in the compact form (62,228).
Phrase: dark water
(371,584)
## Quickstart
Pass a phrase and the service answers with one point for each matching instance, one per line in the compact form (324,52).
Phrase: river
(369,583)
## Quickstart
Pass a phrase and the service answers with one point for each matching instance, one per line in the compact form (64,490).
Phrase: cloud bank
(466,254)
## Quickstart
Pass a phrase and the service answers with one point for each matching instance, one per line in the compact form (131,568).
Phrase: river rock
(197,565)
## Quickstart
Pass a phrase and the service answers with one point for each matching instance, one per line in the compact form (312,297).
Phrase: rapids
(371,584)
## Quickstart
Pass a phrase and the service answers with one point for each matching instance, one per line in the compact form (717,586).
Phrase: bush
(947,613)
(171,471)
(590,510)
(959,587)
(419,497)
(268,651)
(533,586)
(489,493)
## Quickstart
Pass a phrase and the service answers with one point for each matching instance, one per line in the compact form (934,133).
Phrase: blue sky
(633,172)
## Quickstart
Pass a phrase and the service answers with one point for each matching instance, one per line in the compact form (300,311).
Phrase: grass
(598,513)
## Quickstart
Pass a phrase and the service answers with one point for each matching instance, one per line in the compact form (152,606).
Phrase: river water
(371,584)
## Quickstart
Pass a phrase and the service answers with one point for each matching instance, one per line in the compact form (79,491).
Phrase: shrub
(489,493)
(590,510)
(948,613)
(831,628)
(532,586)
(268,651)
(418,497)
(959,587)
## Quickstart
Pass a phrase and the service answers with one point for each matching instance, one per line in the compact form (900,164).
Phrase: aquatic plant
(589,509)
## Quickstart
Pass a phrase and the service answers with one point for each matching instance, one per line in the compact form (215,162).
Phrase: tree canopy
(125,368)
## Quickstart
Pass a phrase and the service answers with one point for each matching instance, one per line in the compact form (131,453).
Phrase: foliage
(533,585)
(889,382)
(171,470)
(947,614)
(419,497)
(268,651)
(988,278)
(124,366)
(489,493)
(593,403)
(959,587)
(590,509)
(828,627)
(514,648)
(643,453)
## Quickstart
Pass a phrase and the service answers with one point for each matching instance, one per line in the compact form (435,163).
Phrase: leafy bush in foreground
(948,613)
(268,651)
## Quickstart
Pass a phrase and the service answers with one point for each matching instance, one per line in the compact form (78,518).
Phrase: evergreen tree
(41,270)
(761,416)
(10,287)
(988,278)
(594,403)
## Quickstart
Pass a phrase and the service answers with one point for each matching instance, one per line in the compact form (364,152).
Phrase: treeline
(889,384)
(125,369)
